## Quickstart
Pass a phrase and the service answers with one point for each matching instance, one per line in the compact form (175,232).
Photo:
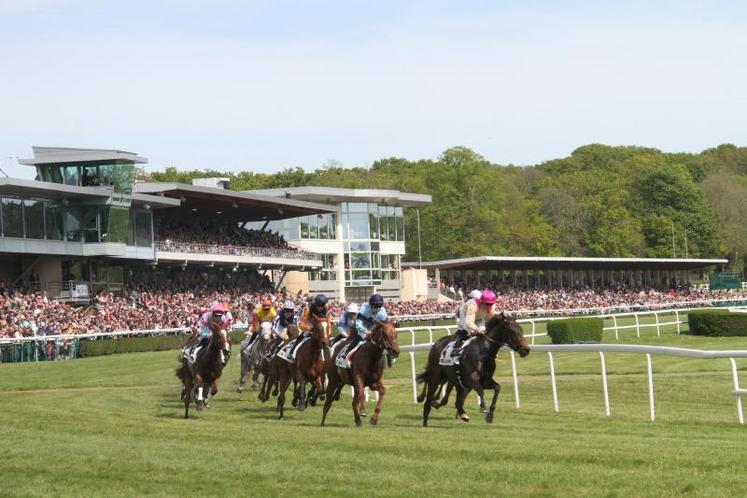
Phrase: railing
(737,391)
(229,250)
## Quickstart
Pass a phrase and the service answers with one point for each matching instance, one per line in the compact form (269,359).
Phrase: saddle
(446,359)
(285,351)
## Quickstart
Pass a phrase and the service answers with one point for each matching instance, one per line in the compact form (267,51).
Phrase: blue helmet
(376,300)
(320,300)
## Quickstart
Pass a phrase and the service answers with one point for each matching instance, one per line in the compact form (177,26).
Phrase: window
(332,226)
(72,224)
(12,217)
(34,214)
(143,234)
(314,226)
(71,175)
(53,219)
(323,224)
(90,176)
(358,225)
(305,227)
(373,223)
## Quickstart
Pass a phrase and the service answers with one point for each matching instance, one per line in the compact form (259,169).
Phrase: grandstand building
(360,243)
(84,222)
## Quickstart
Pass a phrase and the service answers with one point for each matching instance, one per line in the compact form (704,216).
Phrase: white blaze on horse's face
(324,328)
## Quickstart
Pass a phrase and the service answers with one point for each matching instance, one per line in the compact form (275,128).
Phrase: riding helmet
(376,300)
(288,305)
(320,300)
(353,308)
(266,304)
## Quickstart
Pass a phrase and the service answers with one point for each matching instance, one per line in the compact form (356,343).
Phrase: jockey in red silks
(472,317)
(218,318)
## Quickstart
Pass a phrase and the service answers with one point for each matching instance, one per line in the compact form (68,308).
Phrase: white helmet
(353,308)
(475,294)
(289,305)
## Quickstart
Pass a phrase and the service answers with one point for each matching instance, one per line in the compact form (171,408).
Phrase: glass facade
(51,220)
(364,226)
(118,175)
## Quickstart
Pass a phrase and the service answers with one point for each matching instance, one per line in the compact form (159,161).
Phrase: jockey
(266,313)
(473,315)
(286,317)
(211,321)
(370,313)
(317,308)
(473,294)
(347,322)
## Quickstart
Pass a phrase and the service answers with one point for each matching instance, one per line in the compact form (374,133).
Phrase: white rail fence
(618,324)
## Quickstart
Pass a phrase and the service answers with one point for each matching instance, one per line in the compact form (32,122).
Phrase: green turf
(112,426)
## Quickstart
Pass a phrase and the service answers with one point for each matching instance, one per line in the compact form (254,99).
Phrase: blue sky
(265,85)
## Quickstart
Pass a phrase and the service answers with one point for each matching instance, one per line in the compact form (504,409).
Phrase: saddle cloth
(446,359)
(285,351)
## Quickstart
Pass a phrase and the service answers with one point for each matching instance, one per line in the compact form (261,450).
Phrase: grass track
(112,426)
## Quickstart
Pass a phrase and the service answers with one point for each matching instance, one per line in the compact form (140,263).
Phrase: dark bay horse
(476,368)
(366,370)
(269,367)
(204,374)
(308,366)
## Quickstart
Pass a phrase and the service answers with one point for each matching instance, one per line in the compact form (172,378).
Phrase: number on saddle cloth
(446,359)
(341,356)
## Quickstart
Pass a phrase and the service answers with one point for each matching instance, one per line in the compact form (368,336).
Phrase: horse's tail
(420,378)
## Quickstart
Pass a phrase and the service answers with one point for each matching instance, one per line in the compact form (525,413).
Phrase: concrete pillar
(340,258)
(437,277)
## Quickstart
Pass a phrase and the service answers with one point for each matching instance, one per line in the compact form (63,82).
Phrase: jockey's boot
(297,343)
(457,343)
(353,344)
(226,356)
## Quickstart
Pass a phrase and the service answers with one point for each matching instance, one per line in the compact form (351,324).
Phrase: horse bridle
(384,345)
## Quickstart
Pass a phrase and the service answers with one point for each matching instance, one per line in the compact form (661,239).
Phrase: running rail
(738,391)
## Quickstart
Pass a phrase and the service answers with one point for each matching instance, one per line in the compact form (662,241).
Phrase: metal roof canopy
(335,195)
(32,189)
(206,202)
(62,155)
(481,263)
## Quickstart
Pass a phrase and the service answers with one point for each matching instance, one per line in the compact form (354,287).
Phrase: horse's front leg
(461,396)
(200,384)
(285,380)
(491,412)
(358,399)
(301,393)
(331,388)
(381,390)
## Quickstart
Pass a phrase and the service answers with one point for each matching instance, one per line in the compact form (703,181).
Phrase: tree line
(601,201)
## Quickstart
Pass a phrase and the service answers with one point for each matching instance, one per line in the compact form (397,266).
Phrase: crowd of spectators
(28,312)
(219,237)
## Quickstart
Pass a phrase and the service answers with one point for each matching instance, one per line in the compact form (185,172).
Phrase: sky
(266,85)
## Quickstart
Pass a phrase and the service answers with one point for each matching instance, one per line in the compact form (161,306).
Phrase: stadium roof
(332,195)
(57,191)
(563,263)
(199,201)
(58,155)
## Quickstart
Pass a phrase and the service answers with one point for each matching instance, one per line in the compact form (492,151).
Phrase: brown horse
(308,366)
(366,370)
(476,366)
(205,372)
(268,367)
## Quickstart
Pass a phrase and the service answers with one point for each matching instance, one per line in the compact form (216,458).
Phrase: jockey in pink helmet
(472,317)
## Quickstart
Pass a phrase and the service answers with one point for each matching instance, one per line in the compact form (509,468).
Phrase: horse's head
(384,335)
(265,329)
(504,329)
(221,336)
(320,329)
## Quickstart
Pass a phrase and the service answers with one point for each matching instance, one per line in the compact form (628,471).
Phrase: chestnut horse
(308,366)
(205,372)
(476,366)
(366,370)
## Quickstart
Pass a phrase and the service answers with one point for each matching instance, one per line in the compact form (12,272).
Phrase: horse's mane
(494,320)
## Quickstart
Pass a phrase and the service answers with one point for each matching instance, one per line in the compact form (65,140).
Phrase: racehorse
(366,369)
(252,356)
(205,372)
(308,366)
(268,366)
(476,366)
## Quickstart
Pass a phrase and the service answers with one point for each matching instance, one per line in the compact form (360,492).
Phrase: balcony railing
(224,250)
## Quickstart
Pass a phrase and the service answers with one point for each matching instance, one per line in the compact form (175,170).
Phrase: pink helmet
(218,307)
(487,297)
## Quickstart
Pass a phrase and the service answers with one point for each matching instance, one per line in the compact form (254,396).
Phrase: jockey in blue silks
(346,323)
(369,314)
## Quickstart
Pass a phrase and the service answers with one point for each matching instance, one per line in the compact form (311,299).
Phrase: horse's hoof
(464,417)
(199,406)
(323,396)
(489,417)
(363,414)
(421,398)
(483,409)
(436,404)
(374,420)
(358,423)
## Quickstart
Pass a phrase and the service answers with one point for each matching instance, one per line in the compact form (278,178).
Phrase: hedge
(102,347)
(717,323)
(575,330)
